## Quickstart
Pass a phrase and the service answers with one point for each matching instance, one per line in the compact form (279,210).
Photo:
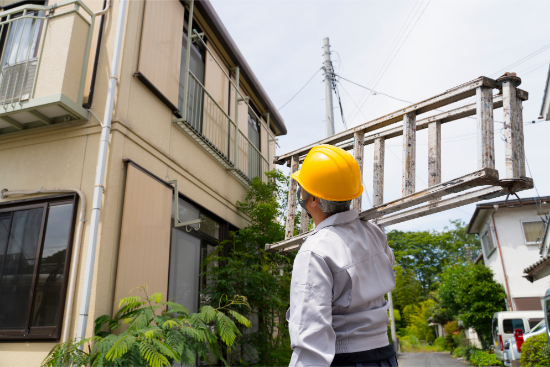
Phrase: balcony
(211,127)
(43,65)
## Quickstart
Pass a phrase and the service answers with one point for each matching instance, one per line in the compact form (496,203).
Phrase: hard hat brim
(296,177)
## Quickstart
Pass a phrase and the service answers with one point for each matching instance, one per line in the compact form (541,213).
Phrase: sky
(410,50)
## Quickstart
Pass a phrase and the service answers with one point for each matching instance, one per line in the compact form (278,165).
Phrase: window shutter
(145,236)
(160,52)
(528,304)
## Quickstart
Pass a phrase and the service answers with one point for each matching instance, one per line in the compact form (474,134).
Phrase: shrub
(441,343)
(482,358)
(535,351)
(430,337)
(458,352)
(158,333)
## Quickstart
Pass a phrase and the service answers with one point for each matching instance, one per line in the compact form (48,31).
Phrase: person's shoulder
(324,243)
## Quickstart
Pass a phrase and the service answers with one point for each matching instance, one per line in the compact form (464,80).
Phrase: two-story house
(178,106)
(511,233)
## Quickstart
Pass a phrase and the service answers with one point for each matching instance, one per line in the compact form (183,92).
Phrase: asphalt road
(428,360)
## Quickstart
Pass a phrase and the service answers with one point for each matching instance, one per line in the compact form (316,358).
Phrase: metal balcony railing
(209,125)
(25,33)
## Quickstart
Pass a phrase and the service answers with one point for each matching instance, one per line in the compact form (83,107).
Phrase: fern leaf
(207,313)
(225,328)
(168,324)
(240,318)
(156,297)
(165,349)
(176,307)
(152,356)
(120,347)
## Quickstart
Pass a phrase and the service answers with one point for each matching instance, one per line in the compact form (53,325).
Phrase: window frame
(523,232)
(42,333)
(489,231)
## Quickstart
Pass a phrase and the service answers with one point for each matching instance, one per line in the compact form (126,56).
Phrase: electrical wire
(393,58)
(394,44)
(301,89)
(531,55)
(340,103)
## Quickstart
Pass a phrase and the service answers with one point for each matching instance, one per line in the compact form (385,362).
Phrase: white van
(505,322)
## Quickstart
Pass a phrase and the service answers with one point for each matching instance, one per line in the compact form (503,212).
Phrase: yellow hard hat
(330,173)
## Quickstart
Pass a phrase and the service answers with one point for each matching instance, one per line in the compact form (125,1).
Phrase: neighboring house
(510,238)
(55,65)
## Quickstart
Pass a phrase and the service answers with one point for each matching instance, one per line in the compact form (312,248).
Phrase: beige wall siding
(63,56)
(145,236)
(160,53)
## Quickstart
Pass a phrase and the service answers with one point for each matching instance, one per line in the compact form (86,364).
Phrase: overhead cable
(394,44)
(520,61)
(395,54)
(301,89)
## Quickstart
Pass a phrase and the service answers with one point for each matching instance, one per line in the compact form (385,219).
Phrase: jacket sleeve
(310,316)
(389,251)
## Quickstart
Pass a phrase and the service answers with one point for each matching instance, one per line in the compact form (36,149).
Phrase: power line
(395,54)
(544,48)
(352,99)
(301,89)
(394,43)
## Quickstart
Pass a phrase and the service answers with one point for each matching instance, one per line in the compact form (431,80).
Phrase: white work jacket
(339,279)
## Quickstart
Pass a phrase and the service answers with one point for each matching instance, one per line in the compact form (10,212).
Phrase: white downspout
(100,178)
(76,247)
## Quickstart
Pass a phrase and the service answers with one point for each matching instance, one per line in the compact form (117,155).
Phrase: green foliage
(264,278)
(535,351)
(458,352)
(470,292)
(153,332)
(407,289)
(430,336)
(416,317)
(482,358)
(440,343)
(426,253)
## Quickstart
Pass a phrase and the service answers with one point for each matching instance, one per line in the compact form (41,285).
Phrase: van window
(509,325)
(537,327)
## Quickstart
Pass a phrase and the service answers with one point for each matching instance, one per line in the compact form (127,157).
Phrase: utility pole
(392,320)
(328,87)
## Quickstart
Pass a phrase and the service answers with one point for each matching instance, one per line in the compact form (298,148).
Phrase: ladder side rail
(434,153)
(451,96)
(304,221)
(409,154)
(511,131)
(378,172)
(521,141)
(291,205)
(485,128)
(358,150)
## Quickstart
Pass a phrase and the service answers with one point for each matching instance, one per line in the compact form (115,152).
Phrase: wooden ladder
(485,179)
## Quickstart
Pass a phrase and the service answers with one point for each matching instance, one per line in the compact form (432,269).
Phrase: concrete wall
(515,253)
(66,155)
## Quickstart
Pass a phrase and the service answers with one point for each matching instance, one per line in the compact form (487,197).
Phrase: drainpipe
(501,259)
(100,178)
(76,248)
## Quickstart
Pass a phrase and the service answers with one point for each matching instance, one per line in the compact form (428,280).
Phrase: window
(189,248)
(533,231)
(35,244)
(509,325)
(195,98)
(536,325)
(487,242)
(19,58)
(254,161)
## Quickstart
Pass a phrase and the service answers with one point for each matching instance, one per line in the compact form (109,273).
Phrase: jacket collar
(337,219)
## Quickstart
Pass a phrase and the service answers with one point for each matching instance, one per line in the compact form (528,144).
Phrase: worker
(338,315)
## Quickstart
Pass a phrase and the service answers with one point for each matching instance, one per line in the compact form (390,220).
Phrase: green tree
(427,253)
(470,292)
(407,289)
(157,333)
(417,316)
(264,278)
